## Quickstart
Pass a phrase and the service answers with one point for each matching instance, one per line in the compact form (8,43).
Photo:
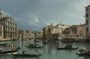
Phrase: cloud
(30,18)
(37,13)
(30,21)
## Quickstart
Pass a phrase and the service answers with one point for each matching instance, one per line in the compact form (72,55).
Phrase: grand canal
(49,51)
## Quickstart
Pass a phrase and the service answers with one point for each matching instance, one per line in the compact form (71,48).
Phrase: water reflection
(6,57)
(49,51)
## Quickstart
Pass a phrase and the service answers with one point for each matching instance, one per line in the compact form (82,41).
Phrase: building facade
(75,31)
(27,34)
(54,31)
(87,18)
(9,26)
(1,31)
(20,34)
(45,32)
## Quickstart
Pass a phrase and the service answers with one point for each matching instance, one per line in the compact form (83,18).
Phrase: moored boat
(10,51)
(67,47)
(83,53)
(34,46)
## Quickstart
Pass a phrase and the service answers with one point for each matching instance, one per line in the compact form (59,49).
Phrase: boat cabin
(68,46)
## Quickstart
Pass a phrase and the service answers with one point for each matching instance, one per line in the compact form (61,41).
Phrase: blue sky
(35,14)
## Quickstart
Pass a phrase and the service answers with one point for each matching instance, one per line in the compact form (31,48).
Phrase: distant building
(41,34)
(20,34)
(53,32)
(75,31)
(1,31)
(27,34)
(9,26)
(45,32)
(38,34)
(87,18)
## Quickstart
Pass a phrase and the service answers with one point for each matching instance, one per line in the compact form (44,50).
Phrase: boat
(83,53)
(67,47)
(34,46)
(10,51)
(27,55)
(23,54)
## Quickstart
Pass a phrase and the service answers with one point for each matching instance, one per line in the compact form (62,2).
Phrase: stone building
(53,31)
(38,35)
(87,18)
(45,32)
(75,31)
(1,31)
(20,33)
(27,34)
(9,26)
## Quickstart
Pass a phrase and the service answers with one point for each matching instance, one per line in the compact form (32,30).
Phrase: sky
(35,14)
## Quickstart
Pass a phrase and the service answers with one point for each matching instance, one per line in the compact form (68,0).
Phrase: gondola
(67,47)
(33,46)
(27,55)
(83,53)
(10,51)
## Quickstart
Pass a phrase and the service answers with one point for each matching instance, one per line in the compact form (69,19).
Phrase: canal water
(49,51)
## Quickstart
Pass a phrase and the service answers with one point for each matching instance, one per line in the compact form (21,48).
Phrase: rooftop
(87,6)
